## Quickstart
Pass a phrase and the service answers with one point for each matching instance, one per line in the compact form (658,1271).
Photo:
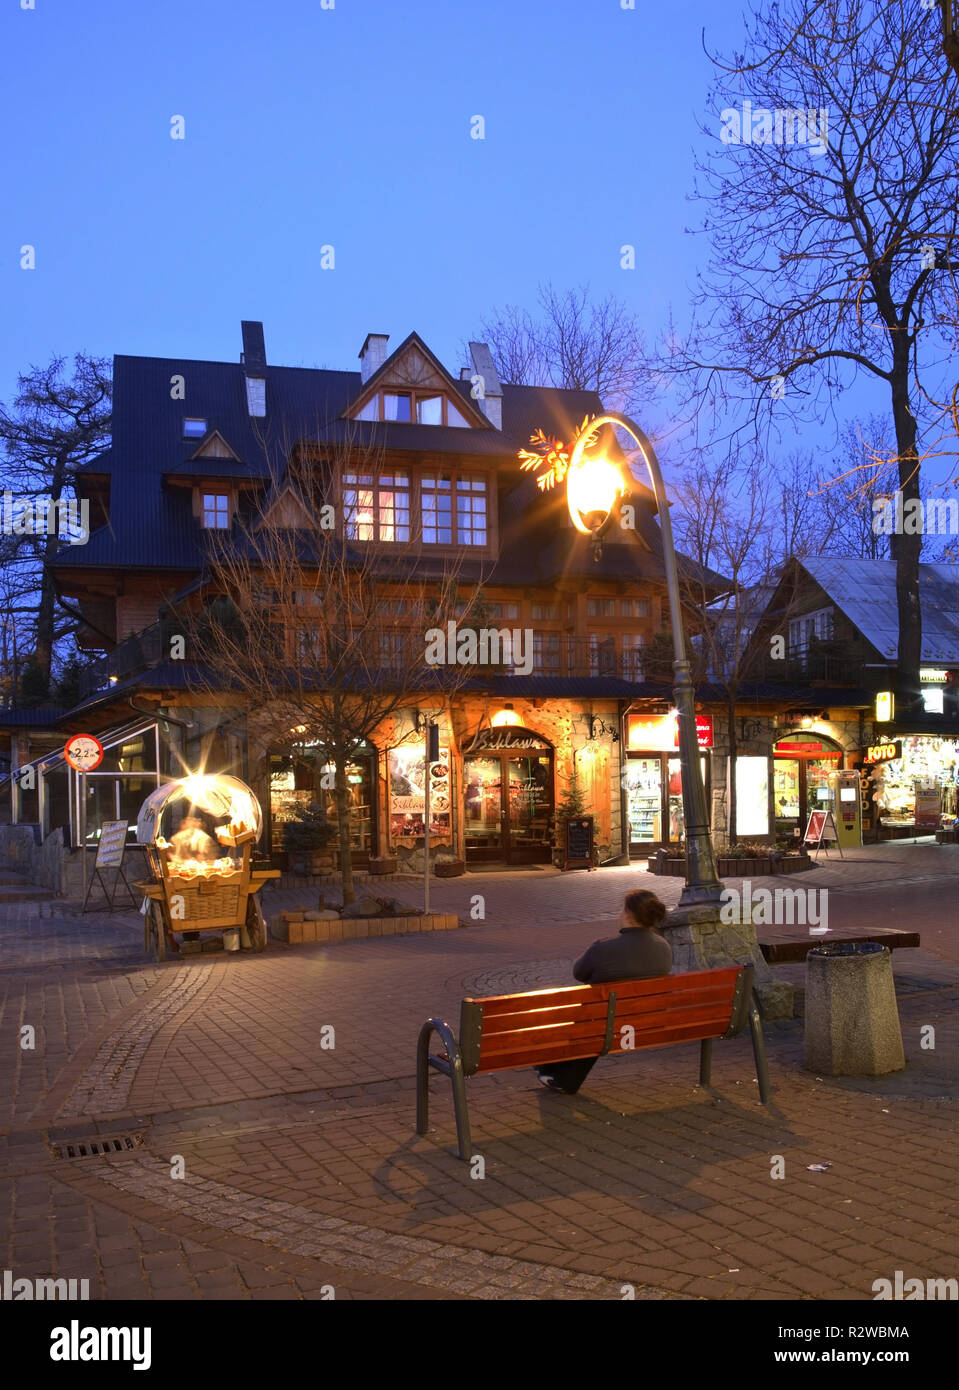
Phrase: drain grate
(98,1148)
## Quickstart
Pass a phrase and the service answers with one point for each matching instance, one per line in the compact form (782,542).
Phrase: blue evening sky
(347,127)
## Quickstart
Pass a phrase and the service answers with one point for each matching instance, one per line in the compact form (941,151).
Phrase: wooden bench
(786,951)
(559,1025)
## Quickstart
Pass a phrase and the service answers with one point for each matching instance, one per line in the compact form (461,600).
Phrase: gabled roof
(386,374)
(865,590)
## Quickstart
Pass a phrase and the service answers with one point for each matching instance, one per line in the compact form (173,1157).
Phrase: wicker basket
(207,898)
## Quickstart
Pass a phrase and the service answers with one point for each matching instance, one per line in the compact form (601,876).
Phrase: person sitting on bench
(638,953)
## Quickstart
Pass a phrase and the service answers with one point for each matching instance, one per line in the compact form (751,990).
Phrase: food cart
(198,834)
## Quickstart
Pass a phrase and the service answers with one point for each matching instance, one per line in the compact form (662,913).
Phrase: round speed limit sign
(83,752)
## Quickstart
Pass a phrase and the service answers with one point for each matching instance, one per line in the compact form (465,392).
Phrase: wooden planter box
(449,869)
(734,868)
(383,865)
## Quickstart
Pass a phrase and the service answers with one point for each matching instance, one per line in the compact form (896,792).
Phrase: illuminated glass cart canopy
(221,796)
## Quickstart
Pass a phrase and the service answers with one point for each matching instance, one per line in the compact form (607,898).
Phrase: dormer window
(407,407)
(429,410)
(396,406)
(216,511)
(194,429)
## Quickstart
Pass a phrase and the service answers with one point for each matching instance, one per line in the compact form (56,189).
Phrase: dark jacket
(638,953)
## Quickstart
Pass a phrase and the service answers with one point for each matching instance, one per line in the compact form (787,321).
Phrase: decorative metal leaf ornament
(551,454)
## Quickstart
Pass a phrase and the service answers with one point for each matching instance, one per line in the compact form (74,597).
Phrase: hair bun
(645,907)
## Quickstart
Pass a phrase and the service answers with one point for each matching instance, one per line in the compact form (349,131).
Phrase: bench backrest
(558,1025)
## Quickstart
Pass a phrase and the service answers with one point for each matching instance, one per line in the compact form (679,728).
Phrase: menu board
(579,843)
(113,839)
(408,794)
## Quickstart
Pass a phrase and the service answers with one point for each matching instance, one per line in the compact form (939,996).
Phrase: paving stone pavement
(301,1170)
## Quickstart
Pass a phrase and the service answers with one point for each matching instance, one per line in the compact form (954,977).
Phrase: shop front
(913,783)
(303,777)
(654,783)
(508,798)
(802,766)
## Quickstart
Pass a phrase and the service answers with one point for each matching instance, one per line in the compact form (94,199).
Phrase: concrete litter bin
(852,1018)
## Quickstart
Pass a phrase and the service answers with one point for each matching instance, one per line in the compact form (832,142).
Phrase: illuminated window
(376,507)
(216,511)
(194,429)
(932,699)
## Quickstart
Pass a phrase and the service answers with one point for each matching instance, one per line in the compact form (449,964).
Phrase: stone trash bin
(852,1018)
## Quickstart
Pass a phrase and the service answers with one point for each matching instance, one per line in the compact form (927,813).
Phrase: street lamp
(702,885)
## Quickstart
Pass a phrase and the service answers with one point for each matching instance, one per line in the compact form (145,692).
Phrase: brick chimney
(253,359)
(491,401)
(372,354)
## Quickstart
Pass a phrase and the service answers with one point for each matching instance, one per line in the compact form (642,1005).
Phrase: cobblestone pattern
(351,1245)
(104,1088)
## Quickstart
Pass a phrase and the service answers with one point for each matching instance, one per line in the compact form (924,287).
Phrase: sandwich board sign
(822,827)
(110,847)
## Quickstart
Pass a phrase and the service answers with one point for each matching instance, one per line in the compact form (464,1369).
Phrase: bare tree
(726,522)
(313,629)
(833,221)
(572,343)
(57,423)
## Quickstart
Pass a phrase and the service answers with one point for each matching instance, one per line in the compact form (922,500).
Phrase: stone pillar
(852,1018)
(700,941)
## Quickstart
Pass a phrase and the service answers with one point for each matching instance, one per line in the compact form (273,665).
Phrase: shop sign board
(928,807)
(885,752)
(934,675)
(408,772)
(661,731)
(821,827)
(788,748)
(112,842)
(505,737)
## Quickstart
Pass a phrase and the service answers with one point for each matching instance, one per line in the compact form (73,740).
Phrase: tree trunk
(342,797)
(906,549)
(733,808)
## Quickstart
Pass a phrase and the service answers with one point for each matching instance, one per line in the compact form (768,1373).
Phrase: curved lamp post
(702,884)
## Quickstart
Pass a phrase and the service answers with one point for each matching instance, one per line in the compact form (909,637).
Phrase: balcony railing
(819,661)
(128,658)
(400,651)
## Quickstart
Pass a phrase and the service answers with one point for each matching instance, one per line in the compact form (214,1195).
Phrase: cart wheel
(148,929)
(256,924)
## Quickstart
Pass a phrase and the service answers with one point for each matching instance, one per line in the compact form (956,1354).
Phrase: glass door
(786,796)
(530,808)
(483,804)
(644,795)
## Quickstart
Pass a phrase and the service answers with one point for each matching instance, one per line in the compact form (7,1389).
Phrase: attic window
(256,396)
(216,511)
(396,406)
(194,429)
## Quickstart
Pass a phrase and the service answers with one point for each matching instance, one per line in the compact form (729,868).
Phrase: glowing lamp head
(592,486)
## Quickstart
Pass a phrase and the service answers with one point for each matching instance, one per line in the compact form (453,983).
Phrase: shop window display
(918,791)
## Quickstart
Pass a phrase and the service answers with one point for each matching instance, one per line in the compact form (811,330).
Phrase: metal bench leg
(705,1061)
(453,1068)
(759,1052)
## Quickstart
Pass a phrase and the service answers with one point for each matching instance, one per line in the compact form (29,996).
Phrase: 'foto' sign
(83,752)
(882,752)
